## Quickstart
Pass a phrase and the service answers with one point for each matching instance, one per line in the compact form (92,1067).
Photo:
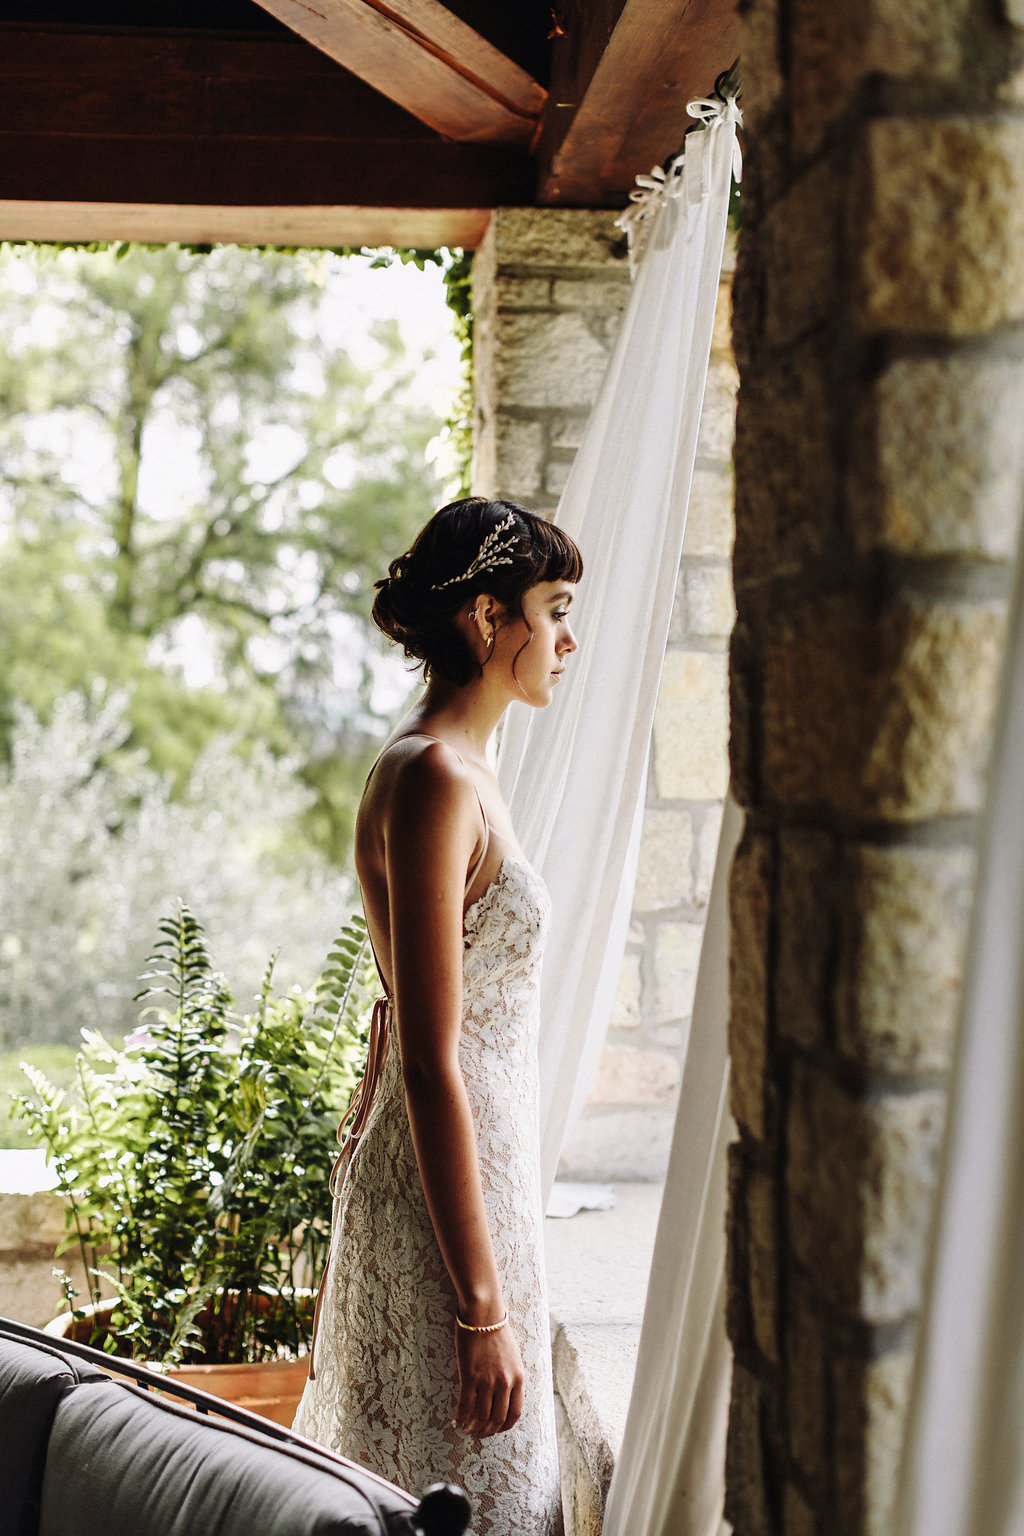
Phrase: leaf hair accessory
(492,552)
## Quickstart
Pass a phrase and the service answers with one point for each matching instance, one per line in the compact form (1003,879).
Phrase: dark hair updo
(418,599)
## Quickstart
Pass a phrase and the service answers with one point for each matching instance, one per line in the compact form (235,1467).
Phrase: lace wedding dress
(386,1375)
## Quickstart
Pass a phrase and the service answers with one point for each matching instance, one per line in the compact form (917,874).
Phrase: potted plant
(194,1161)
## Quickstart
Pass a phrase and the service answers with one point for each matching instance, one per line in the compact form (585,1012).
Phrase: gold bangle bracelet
(481,1327)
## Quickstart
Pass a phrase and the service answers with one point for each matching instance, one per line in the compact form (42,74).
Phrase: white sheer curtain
(669,1479)
(963,1461)
(574,775)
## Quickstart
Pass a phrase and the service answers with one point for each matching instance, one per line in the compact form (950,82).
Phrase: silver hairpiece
(490,554)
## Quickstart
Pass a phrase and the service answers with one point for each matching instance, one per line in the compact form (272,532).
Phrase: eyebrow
(565,596)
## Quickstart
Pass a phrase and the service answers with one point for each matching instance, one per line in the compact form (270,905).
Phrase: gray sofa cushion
(123,1461)
(33,1380)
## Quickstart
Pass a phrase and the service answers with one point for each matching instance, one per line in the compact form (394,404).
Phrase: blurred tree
(197,491)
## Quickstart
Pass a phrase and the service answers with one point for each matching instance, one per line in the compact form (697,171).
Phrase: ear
(485,614)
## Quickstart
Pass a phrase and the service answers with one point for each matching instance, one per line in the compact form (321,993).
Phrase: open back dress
(386,1381)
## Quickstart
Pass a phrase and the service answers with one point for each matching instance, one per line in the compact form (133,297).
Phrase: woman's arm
(433,827)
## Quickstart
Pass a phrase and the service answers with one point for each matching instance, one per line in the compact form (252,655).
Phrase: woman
(432,1359)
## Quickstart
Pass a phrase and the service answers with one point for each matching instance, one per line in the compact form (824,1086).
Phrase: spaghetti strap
(487,841)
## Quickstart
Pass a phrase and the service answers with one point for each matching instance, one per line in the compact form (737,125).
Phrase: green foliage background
(97,356)
(199,485)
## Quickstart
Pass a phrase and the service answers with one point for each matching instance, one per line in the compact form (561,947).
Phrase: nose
(569,641)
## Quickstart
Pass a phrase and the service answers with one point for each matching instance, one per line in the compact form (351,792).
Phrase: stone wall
(550,286)
(879,483)
(31,1226)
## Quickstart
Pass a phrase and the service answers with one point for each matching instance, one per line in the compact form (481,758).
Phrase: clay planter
(271,1388)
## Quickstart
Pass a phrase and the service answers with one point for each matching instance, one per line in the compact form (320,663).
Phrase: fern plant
(194,1161)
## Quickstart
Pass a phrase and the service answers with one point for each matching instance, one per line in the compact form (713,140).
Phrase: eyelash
(559,614)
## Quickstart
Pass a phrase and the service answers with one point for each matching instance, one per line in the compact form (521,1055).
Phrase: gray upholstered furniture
(82,1454)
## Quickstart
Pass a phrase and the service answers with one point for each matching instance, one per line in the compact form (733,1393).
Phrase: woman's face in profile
(535,646)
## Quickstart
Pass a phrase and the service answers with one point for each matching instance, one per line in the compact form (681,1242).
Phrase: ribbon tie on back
(350,1131)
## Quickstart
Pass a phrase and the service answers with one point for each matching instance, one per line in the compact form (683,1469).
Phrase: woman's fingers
(515,1407)
(490,1383)
(498,1409)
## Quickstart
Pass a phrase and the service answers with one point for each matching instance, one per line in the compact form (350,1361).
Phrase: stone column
(879,483)
(549,288)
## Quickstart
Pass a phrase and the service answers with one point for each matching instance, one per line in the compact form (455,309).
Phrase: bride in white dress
(432,1354)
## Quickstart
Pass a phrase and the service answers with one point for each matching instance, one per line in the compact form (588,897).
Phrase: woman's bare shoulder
(419,775)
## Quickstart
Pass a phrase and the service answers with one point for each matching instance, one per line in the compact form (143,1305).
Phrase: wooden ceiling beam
(202,224)
(621,79)
(121,118)
(422,56)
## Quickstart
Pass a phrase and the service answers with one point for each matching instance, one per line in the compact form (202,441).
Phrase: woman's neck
(465,716)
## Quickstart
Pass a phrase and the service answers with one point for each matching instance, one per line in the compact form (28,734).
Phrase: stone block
(940,458)
(750,912)
(798,1516)
(746,1501)
(630,1144)
(785,465)
(691,724)
(31,1220)
(556,474)
(710,521)
(522,292)
(630,1074)
(807,1386)
(871,1401)
(827,45)
(665,872)
(861,1175)
(718,413)
(518,457)
(676,957)
(551,238)
(904,932)
(721,333)
(806,934)
(881,714)
(745,713)
(29,1291)
(1010,91)
(764,1263)
(628,994)
(738,1325)
(582,1506)
(834,47)
(547,360)
(590,293)
(709,609)
(943,243)
(802,254)
(762,69)
(707,852)
(567,431)
(918,37)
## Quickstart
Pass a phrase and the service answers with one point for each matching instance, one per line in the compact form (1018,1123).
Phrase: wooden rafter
(99,123)
(420,55)
(618,102)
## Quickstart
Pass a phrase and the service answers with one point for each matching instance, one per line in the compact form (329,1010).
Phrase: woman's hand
(490,1382)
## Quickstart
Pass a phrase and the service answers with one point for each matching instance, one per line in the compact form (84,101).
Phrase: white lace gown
(386,1375)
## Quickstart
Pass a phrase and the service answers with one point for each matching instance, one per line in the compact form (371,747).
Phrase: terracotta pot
(272,1388)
